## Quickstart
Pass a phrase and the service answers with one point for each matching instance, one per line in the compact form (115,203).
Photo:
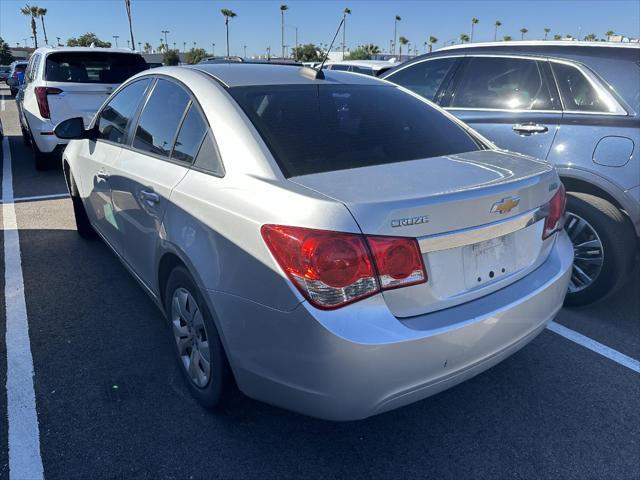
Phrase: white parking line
(25,461)
(594,346)
(40,197)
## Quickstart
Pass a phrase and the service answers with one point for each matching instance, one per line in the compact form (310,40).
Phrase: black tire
(219,382)
(618,241)
(42,160)
(83,225)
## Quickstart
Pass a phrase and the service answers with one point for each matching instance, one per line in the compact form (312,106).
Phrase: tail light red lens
(398,260)
(554,219)
(43,101)
(333,269)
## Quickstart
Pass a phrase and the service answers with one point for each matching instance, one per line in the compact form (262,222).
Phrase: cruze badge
(406,222)
(505,205)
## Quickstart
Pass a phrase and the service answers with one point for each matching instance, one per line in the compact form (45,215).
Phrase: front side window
(320,128)
(116,115)
(423,78)
(579,94)
(503,83)
(160,118)
(93,67)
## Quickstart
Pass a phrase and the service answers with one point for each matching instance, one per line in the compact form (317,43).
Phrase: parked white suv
(62,83)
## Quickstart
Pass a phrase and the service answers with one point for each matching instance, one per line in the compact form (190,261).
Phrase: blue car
(575,104)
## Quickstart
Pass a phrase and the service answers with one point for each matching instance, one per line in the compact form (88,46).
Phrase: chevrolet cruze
(336,244)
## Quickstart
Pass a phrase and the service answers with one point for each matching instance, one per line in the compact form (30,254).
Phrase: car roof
(365,63)
(254,74)
(46,50)
(539,43)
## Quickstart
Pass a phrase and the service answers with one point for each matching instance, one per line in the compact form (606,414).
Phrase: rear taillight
(554,219)
(332,269)
(43,102)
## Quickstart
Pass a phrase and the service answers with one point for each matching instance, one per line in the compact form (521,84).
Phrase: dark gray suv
(576,104)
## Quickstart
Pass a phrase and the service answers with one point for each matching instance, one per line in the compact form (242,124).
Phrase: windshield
(93,67)
(320,128)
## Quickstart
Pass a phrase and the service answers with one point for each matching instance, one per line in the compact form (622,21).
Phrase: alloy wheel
(191,337)
(588,253)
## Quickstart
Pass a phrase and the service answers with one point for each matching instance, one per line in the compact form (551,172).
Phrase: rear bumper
(360,360)
(42,134)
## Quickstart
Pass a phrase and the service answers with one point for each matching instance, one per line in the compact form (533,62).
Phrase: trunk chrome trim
(469,236)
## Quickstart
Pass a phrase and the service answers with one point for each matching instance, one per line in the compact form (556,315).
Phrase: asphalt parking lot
(111,402)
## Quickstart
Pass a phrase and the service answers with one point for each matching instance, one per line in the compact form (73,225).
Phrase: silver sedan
(336,244)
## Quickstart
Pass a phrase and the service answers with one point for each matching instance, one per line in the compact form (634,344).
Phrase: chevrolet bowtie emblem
(505,205)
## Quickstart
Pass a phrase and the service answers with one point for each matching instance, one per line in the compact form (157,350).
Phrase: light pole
(33,40)
(268,53)
(184,47)
(58,39)
(139,46)
(213,49)
(346,12)
(165,37)
(128,45)
(296,29)
(245,51)
(116,37)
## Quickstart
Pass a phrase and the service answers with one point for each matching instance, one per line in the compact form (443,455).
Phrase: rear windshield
(321,128)
(93,67)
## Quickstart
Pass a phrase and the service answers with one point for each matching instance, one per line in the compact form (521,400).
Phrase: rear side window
(92,67)
(319,128)
(344,68)
(424,78)
(160,118)
(190,137)
(363,70)
(208,158)
(503,83)
(116,115)
(578,93)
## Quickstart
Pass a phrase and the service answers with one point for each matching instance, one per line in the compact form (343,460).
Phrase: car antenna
(314,74)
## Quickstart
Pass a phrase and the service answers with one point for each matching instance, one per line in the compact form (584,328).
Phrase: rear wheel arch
(168,262)
(573,184)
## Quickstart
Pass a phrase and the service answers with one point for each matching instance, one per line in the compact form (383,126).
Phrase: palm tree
(432,40)
(403,41)
(495,32)
(609,34)
(147,47)
(227,14)
(347,11)
(592,37)
(32,12)
(283,8)
(371,49)
(546,32)
(507,38)
(474,21)
(395,32)
(41,13)
(557,36)
(127,4)
(464,38)
(522,32)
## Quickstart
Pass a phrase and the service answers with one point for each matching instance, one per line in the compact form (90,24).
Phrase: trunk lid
(475,215)
(77,100)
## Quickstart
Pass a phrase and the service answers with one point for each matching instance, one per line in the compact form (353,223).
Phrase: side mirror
(12,82)
(72,128)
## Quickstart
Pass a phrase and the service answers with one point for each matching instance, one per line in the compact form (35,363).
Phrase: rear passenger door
(510,100)
(165,140)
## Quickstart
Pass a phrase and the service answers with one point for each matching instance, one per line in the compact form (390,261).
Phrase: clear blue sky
(258,22)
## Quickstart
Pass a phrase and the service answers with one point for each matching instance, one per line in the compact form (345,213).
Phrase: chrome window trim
(469,236)
(591,78)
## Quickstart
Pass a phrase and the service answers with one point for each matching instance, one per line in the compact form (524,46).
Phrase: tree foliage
(307,53)
(33,12)
(86,40)
(195,55)
(171,57)
(5,54)
(364,52)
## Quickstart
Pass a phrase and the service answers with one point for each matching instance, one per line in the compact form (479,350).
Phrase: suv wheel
(604,247)
(201,356)
(41,159)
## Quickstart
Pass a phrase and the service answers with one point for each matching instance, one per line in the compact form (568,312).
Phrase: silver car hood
(449,193)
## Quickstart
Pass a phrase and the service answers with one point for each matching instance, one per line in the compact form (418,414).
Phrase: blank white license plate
(487,261)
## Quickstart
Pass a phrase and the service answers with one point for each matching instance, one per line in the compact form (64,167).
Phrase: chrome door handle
(102,174)
(529,128)
(150,198)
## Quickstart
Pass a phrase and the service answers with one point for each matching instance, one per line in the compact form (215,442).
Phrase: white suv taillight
(556,207)
(333,269)
(43,101)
